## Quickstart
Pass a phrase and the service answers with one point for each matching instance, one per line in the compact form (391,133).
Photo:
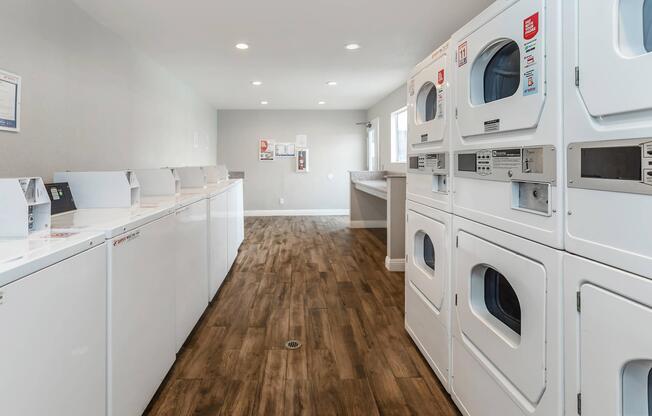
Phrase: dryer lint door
(501,72)
(501,312)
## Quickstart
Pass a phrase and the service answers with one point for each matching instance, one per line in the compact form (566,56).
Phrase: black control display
(622,163)
(467,162)
(61,197)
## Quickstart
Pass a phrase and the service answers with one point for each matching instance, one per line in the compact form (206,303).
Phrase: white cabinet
(239,196)
(191,278)
(232,198)
(53,349)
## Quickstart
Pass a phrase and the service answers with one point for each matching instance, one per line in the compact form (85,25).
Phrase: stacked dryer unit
(429,218)
(508,211)
(608,273)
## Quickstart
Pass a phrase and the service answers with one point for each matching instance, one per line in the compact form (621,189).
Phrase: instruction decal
(462,54)
(440,77)
(530,62)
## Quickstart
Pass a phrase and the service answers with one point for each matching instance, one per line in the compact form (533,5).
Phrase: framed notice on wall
(265,149)
(9,101)
(302,161)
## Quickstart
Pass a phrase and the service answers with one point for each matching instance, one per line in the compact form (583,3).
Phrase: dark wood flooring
(314,280)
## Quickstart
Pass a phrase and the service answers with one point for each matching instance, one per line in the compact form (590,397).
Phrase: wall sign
(10,85)
(265,149)
(285,149)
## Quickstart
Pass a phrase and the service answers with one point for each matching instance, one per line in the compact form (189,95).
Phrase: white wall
(92,102)
(383,111)
(336,143)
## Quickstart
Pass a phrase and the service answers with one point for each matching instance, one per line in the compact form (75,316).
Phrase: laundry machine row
(548,210)
(103,264)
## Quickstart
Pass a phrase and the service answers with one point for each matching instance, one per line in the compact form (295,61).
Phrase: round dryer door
(428,254)
(501,71)
(615,56)
(501,311)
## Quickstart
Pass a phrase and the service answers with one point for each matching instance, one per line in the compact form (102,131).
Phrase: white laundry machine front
(608,342)
(427,285)
(608,131)
(52,309)
(429,118)
(507,323)
(507,134)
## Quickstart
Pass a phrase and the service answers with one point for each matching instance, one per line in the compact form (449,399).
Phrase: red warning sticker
(440,77)
(531,26)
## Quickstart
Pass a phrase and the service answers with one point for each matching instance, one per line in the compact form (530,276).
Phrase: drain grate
(293,344)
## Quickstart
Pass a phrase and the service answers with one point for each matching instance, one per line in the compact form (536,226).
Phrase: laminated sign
(530,62)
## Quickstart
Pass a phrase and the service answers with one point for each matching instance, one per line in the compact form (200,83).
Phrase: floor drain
(293,345)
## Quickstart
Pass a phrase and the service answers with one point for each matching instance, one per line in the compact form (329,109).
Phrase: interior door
(615,354)
(428,251)
(53,351)
(373,145)
(615,63)
(502,311)
(191,278)
(218,234)
(501,72)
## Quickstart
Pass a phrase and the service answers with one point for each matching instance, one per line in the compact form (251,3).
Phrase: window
(502,75)
(428,252)
(647,25)
(373,150)
(399,136)
(501,300)
(427,103)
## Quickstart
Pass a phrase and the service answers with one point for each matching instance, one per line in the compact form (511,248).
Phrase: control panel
(60,197)
(25,207)
(429,163)
(613,165)
(506,165)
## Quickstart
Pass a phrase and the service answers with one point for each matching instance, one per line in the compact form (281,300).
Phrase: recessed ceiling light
(242,46)
(352,46)
(321,102)
(264,102)
(257,83)
(331,83)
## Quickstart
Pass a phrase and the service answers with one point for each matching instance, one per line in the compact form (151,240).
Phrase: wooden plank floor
(315,280)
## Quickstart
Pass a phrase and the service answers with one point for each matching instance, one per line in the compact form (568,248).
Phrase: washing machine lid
(110,221)
(501,72)
(171,201)
(22,257)
(615,353)
(614,56)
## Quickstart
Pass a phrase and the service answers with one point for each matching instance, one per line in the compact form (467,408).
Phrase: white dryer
(507,135)
(608,342)
(608,131)
(429,118)
(507,328)
(427,285)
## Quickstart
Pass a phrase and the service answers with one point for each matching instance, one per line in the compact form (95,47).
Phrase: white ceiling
(296,45)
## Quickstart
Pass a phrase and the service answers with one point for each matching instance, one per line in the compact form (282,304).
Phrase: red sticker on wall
(531,26)
(440,77)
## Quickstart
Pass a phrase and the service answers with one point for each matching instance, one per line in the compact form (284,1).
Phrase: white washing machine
(608,342)
(427,285)
(429,119)
(158,190)
(141,300)
(608,131)
(507,324)
(507,135)
(52,310)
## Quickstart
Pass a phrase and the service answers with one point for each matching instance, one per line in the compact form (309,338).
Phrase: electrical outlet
(281,201)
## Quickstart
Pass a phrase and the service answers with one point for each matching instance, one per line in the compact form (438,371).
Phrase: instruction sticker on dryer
(530,62)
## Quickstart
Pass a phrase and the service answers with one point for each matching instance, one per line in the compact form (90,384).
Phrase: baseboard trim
(297,213)
(395,265)
(368,224)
